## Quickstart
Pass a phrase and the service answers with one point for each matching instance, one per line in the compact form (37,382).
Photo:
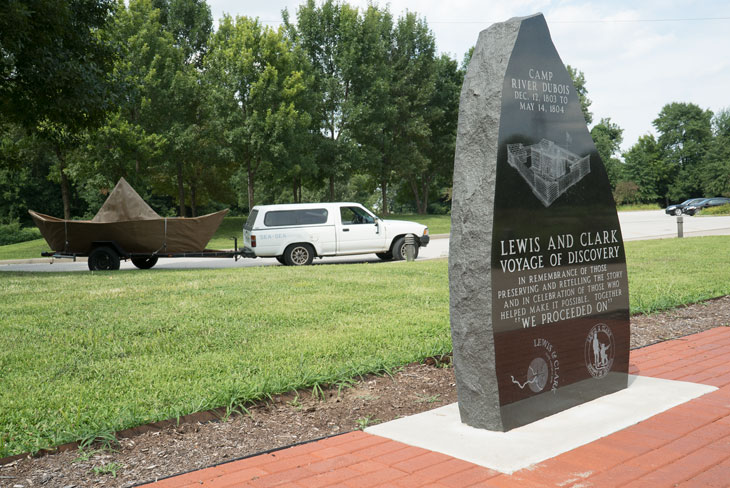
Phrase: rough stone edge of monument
(475,164)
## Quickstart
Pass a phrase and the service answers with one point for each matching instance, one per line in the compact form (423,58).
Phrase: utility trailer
(107,255)
(125,227)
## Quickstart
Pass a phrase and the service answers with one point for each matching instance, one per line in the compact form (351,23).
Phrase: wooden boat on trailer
(127,228)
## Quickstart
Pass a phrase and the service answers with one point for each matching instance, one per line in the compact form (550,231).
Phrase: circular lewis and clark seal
(599,350)
(542,370)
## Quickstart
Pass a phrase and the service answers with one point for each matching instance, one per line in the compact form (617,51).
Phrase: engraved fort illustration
(549,170)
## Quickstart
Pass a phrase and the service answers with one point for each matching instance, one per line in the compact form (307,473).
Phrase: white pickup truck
(295,234)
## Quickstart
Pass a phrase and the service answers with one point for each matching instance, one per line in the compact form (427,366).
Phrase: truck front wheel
(399,249)
(385,256)
(299,255)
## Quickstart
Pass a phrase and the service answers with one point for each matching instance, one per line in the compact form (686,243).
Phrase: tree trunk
(414,189)
(180,190)
(65,191)
(193,203)
(294,189)
(250,172)
(384,190)
(425,198)
(332,188)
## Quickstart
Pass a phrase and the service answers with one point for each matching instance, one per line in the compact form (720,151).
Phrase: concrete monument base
(441,429)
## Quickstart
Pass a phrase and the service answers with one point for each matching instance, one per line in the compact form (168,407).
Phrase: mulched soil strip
(213,415)
(262,453)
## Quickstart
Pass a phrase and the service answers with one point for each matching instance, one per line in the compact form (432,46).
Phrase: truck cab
(295,234)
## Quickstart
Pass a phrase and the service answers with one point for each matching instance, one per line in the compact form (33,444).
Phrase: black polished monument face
(559,311)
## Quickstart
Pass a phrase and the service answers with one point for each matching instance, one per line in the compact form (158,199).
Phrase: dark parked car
(677,208)
(707,202)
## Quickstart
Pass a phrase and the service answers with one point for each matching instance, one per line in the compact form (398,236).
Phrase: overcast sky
(637,56)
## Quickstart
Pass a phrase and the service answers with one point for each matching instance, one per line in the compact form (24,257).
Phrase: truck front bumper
(424,240)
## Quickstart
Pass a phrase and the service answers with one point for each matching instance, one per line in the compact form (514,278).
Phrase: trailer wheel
(103,259)
(145,263)
(299,255)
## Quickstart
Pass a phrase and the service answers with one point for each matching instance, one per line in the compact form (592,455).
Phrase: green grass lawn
(437,224)
(230,227)
(665,273)
(85,354)
(638,206)
(24,250)
(719,210)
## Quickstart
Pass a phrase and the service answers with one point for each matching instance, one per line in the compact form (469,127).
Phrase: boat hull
(163,235)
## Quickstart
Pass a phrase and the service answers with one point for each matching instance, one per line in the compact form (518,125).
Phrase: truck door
(358,232)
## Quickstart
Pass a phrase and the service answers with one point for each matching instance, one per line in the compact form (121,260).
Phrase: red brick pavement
(687,446)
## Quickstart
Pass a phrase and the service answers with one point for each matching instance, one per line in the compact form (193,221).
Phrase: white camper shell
(297,233)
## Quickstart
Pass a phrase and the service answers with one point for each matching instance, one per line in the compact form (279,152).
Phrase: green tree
(412,95)
(608,136)
(715,176)
(257,82)
(467,58)
(685,132)
(374,112)
(434,170)
(26,161)
(626,193)
(192,127)
(55,62)
(190,23)
(644,166)
(135,142)
(579,81)
(163,138)
(328,35)
(195,136)
(55,72)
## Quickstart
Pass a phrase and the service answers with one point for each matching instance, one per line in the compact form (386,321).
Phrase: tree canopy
(336,103)
(55,61)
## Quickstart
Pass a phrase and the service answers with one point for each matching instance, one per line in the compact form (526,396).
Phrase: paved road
(655,224)
(652,224)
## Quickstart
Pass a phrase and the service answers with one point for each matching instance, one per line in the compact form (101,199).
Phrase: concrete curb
(40,260)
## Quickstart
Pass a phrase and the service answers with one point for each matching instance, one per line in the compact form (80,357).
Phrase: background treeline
(336,103)
(690,157)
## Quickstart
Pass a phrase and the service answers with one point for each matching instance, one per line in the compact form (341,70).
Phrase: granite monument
(537,268)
